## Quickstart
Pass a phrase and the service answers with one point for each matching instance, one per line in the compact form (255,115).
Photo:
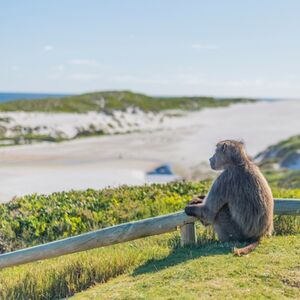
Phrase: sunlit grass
(211,272)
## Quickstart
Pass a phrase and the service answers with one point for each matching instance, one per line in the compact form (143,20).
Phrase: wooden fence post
(188,234)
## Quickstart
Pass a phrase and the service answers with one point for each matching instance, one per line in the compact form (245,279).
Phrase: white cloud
(197,80)
(54,76)
(200,80)
(59,67)
(48,48)
(204,46)
(83,76)
(140,80)
(292,76)
(57,72)
(84,62)
(190,79)
(14,68)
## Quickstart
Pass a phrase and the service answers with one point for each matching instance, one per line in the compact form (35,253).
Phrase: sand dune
(70,125)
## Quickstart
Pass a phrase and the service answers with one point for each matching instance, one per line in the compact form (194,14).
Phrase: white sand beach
(185,142)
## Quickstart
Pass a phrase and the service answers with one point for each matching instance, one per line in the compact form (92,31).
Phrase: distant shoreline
(10,96)
(105,100)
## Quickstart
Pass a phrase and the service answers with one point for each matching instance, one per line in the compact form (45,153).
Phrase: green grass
(35,219)
(157,268)
(119,100)
(64,276)
(292,143)
(287,179)
(211,272)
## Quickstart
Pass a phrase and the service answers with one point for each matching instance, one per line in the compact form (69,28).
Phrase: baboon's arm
(213,202)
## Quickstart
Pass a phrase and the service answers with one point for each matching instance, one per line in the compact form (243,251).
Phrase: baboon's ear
(224,147)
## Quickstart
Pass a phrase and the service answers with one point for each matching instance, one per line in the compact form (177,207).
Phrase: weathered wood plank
(188,234)
(99,238)
(287,207)
(121,233)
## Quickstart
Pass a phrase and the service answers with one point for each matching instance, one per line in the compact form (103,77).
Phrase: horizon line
(148,94)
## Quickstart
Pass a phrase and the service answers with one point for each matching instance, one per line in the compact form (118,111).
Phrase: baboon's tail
(245,250)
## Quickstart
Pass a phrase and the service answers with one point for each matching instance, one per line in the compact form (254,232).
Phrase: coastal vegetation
(93,114)
(35,219)
(116,100)
(281,163)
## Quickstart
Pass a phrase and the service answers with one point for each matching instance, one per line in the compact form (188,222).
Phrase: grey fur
(239,204)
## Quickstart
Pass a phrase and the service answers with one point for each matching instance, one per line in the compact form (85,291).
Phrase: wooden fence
(123,233)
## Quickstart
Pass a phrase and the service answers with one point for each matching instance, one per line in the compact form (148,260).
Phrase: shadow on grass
(180,255)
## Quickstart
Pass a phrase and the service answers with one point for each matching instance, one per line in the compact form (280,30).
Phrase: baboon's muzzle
(212,162)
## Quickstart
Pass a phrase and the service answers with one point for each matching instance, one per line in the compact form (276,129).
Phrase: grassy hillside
(283,178)
(276,160)
(211,272)
(34,219)
(280,153)
(107,101)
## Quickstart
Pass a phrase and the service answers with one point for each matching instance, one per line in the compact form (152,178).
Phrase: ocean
(5,97)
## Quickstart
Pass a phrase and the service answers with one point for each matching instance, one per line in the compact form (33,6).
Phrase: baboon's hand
(197,200)
(198,211)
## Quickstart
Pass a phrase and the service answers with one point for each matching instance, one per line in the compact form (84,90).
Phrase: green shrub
(36,219)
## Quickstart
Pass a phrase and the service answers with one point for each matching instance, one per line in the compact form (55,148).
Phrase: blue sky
(158,47)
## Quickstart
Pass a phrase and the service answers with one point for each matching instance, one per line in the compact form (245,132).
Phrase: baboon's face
(222,158)
(219,160)
(228,153)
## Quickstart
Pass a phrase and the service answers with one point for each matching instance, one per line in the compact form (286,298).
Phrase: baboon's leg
(226,228)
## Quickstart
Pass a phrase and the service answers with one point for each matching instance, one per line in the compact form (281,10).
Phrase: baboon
(239,203)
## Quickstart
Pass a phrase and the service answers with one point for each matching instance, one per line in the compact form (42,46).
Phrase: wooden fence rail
(123,233)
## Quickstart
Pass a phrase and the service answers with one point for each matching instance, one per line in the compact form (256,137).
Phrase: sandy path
(123,159)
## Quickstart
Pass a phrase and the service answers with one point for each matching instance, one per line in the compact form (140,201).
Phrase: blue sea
(5,97)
